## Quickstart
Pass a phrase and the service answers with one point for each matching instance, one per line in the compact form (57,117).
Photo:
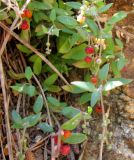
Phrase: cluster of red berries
(89,51)
(64,148)
(26,14)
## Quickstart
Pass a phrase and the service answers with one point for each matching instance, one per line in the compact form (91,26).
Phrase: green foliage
(45,127)
(76,138)
(70,112)
(103,73)
(55,27)
(28,73)
(25,88)
(38,104)
(116,82)
(72,123)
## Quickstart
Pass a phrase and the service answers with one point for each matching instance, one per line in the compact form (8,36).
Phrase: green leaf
(119,43)
(74,5)
(24,88)
(50,80)
(121,63)
(82,64)
(54,88)
(16,117)
(55,31)
(87,86)
(39,16)
(63,43)
(72,123)
(117,17)
(3,15)
(70,112)
(38,104)
(23,49)
(41,30)
(103,73)
(53,15)
(45,127)
(35,5)
(72,89)
(95,96)
(115,68)
(28,73)
(18,87)
(31,120)
(53,101)
(75,138)
(67,20)
(76,53)
(89,110)
(30,90)
(93,26)
(85,98)
(82,33)
(37,67)
(110,46)
(105,8)
(116,82)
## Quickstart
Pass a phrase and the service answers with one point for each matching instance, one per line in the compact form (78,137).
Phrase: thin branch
(48,112)
(6,110)
(1,144)
(12,28)
(104,128)
(35,51)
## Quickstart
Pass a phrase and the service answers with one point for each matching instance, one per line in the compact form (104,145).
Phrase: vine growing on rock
(58,39)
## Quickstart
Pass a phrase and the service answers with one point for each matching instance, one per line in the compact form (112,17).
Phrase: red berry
(98,109)
(88,59)
(65,150)
(94,80)
(56,140)
(24,25)
(124,69)
(89,50)
(27,13)
(66,134)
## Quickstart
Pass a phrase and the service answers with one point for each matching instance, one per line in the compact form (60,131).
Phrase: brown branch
(6,110)
(104,128)
(35,51)
(49,116)
(12,28)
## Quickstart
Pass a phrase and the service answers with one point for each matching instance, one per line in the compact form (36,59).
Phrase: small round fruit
(88,59)
(98,109)
(98,61)
(67,134)
(25,25)
(65,150)
(124,69)
(26,13)
(94,80)
(89,50)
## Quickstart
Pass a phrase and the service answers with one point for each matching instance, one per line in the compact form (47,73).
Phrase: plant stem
(104,128)
(49,116)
